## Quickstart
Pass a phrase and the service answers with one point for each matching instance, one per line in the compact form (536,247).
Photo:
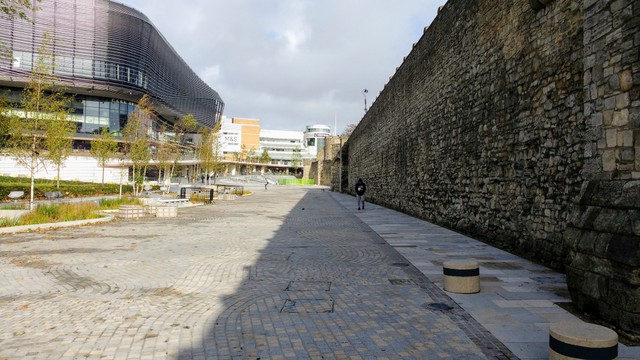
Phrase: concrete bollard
(580,340)
(461,276)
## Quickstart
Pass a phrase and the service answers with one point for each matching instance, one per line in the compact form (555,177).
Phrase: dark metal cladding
(106,49)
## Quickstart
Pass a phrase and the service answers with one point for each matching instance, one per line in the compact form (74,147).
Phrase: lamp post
(364,93)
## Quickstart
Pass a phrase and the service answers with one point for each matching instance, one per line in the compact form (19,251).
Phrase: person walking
(361,188)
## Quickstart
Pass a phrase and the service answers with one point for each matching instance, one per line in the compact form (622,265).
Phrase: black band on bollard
(461,273)
(582,352)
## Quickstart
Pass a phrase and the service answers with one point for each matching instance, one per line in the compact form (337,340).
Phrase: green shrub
(69,189)
(49,213)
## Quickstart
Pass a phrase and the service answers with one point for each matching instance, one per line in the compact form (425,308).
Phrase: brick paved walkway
(287,273)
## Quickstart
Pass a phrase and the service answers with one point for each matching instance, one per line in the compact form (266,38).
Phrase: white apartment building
(283,146)
(230,137)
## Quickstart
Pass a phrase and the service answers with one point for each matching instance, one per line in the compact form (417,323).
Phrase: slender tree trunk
(103,175)
(33,187)
(58,178)
(135,185)
(33,175)
(121,172)
(144,176)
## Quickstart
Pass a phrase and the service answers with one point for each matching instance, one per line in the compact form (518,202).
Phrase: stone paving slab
(518,299)
(287,273)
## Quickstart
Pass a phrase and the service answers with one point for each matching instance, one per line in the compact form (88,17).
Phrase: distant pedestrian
(265,184)
(361,188)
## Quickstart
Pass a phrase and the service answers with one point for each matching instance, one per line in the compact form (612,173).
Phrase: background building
(107,56)
(314,137)
(243,142)
(284,147)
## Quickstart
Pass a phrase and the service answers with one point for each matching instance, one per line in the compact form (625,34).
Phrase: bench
(15,195)
(197,194)
(176,201)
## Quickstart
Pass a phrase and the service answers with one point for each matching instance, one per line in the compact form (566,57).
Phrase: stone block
(613,221)
(586,243)
(131,211)
(620,118)
(629,195)
(150,209)
(607,192)
(625,250)
(609,160)
(583,217)
(594,285)
(166,211)
(628,325)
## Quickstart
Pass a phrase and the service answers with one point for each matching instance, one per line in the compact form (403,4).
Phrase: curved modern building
(108,55)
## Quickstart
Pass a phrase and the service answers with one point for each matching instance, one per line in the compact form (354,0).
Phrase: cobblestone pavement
(287,273)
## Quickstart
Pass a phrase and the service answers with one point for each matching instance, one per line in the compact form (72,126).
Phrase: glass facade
(108,55)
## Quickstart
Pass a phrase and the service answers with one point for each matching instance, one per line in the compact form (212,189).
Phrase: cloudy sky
(292,63)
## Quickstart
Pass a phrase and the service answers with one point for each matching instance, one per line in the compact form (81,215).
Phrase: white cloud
(292,62)
(210,74)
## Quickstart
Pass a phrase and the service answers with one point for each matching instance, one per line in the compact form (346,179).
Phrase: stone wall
(327,162)
(506,121)
(603,232)
(480,129)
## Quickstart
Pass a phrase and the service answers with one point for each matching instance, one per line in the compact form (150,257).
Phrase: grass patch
(113,204)
(11,206)
(50,213)
(56,212)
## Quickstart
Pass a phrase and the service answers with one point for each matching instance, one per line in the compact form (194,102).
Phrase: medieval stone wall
(480,129)
(603,231)
(519,122)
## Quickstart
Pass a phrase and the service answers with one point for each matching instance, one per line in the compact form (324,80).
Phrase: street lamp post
(364,93)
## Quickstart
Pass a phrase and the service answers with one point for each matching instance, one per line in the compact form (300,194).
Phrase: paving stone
(211,284)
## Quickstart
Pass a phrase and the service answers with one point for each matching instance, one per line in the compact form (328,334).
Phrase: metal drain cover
(401,281)
(439,306)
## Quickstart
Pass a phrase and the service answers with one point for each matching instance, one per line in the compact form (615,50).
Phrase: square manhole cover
(401,281)
(308,286)
(313,306)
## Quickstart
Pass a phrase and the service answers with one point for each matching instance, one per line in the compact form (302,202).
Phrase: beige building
(249,132)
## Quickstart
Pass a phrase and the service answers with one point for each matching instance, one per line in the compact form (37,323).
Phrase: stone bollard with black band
(580,340)
(461,276)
